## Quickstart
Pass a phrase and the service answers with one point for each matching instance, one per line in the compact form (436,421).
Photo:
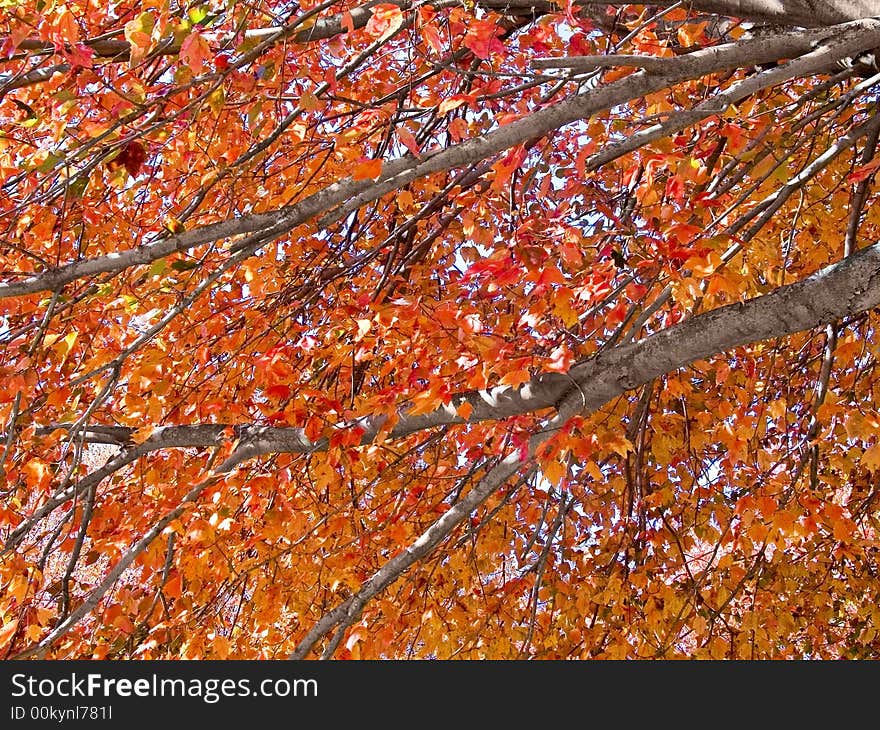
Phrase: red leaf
(481,38)
(405,136)
(863,172)
(386,19)
(131,157)
(432,37)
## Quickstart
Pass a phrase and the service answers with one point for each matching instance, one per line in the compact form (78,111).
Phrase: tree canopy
(439,328)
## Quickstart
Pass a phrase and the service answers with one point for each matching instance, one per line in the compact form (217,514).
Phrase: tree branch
(844,289)
(340,199)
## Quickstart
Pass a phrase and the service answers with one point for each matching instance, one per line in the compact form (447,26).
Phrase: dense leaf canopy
(439,328)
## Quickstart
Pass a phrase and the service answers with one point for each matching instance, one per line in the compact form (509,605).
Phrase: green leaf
(49,163)
(197,15)
(78,187)
(157,268)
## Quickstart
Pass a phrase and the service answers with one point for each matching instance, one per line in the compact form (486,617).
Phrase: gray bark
(339,199)
(842,290)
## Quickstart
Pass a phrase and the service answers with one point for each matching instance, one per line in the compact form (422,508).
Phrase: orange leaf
(554,471)
(425,403)
(7,632)
(173,586)
(616,74)
(367,169)
(453,102)
(65,29)
(516,377)
(871,458)
(195,52)
(138,34)
(465,410)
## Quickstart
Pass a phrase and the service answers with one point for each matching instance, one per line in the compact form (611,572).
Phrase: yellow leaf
(173,225)
(65,345)
(777,408)
(363,327)
(309,102)
(554,471)
(216,100)
(562,307)
(209,178)
(620,445)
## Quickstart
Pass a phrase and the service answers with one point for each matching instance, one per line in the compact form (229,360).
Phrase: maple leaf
(385,20)
(7,632)
(64,30)
(482,38)
(432,37)
(864,172)
(131,157)
(405,136)
(441,300)
(138,34)
(195,52)
(79,55)
(367,169)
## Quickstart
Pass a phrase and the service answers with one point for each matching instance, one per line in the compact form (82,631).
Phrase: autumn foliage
(349,330)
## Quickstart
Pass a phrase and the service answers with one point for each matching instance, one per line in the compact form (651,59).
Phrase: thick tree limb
(809,63)
(339,199)
(347,612)
(580,64)
(805,13)
(839,291)
(850,287)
